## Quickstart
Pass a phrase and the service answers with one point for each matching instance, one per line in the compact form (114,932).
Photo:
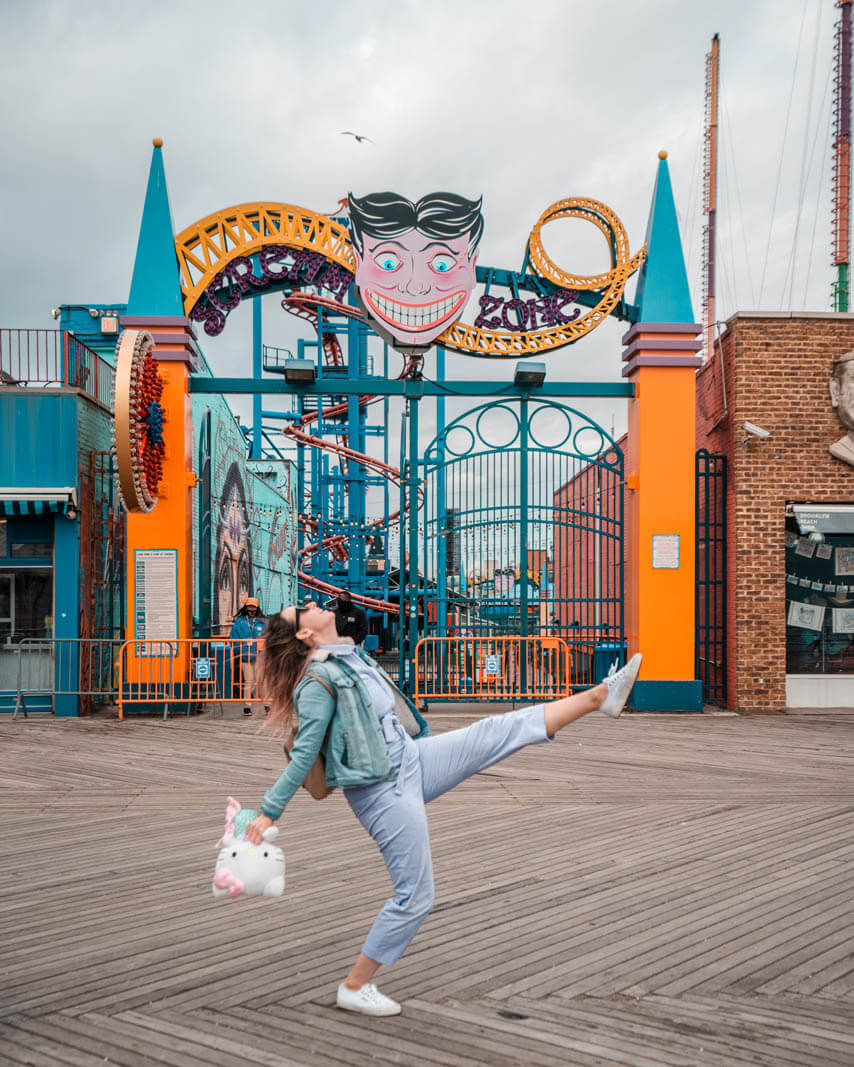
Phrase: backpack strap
(323,682)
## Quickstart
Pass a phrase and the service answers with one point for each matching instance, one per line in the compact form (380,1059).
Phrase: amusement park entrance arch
(245,251)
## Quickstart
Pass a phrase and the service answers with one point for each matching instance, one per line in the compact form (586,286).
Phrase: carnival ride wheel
(138,423)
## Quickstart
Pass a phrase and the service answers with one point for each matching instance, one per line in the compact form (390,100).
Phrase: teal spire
(155,287)
(662,293)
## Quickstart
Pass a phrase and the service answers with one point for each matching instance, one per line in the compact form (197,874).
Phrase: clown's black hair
(439,215)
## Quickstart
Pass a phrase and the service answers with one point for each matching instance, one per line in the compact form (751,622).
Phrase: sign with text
(155,600)
(665,552)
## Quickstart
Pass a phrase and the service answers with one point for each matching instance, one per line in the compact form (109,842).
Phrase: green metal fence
(521,531)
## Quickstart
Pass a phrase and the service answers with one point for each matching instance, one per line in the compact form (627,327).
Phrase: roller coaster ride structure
(340,547)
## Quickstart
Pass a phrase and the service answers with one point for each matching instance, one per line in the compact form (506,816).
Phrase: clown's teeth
(415,315)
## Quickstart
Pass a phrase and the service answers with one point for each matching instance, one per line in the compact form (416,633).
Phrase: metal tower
(710,183)
(841,215)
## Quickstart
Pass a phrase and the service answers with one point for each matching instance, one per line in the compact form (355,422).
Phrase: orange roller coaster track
(306,306)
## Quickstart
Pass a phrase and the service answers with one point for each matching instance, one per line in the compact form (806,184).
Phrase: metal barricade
(82,669)
(492,668)
(34,675)
(179,675)
(390,663)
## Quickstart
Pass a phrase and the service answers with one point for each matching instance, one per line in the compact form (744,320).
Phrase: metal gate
(710,595)
(521,534)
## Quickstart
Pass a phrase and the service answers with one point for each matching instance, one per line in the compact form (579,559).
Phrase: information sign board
(155,601)
(665,552)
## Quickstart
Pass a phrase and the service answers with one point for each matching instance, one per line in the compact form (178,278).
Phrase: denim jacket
(344,728)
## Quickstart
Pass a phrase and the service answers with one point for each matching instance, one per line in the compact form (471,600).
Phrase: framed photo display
(845,559)
(805,616)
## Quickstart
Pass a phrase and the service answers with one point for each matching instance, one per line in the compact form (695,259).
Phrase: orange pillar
(170,525)
(661,360)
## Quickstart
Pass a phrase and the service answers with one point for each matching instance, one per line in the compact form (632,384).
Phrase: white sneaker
(620,685)
(368,1000)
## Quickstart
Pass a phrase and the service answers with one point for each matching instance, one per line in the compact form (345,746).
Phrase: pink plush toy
(244,869)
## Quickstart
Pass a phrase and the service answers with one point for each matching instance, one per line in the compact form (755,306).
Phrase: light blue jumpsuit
(393,811)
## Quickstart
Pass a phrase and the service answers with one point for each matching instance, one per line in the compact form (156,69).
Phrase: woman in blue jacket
(247,628)
(376,747)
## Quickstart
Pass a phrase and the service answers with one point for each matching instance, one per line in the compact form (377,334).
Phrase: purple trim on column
(643,344)
(688,328)
(166,355)
(153,321)
(661,361)
(167,330)
(171,338)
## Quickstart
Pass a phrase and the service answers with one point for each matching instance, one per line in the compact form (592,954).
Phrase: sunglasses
(299,609)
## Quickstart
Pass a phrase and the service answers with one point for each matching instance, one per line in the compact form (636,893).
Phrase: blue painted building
(55,440)
(62,558)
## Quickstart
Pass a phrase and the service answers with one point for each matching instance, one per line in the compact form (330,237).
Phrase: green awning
(25,502)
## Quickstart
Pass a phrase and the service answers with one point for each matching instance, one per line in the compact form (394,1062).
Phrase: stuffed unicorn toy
(243,868)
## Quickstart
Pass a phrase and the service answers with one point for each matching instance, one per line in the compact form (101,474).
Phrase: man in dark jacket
(350,619)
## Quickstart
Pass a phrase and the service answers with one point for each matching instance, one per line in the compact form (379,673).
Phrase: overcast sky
(523,102)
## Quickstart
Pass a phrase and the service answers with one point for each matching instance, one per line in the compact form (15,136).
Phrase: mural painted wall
(245,534)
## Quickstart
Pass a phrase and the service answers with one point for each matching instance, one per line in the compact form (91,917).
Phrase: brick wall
(773,370)
(94,429)
(587,522)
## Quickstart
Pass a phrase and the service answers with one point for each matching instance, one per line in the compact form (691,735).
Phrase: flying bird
(359,136)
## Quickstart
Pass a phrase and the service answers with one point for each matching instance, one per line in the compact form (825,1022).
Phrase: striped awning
(18,501)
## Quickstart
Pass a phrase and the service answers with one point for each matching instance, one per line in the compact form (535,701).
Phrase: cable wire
(807,171)
(802,183)
(782,152)
(727,241)
(727,137)
(824,156)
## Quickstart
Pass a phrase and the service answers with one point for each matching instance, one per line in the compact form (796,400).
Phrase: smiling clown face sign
(415,263)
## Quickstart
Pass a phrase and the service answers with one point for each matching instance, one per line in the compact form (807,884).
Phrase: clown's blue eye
(442,263)
(387,261)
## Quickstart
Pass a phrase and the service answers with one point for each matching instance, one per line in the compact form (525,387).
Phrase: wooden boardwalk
(663,890)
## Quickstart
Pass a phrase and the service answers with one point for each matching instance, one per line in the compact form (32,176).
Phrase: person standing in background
(350,620)
(247,628)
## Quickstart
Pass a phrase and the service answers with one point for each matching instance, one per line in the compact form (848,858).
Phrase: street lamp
(528,374)
(300,371)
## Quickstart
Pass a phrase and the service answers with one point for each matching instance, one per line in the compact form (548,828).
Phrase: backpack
(315,780)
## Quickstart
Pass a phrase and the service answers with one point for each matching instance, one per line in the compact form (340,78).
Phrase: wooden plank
(222,1048)
(19,1045)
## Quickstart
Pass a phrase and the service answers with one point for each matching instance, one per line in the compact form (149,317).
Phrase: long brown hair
(284,660)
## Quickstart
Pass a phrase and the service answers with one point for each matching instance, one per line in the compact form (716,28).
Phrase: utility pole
(710,190)
(841,216)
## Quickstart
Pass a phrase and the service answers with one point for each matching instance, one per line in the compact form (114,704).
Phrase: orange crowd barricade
(178,675)
(544,667)
(492,668)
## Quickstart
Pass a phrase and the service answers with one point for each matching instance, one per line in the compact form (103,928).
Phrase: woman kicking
(376,748)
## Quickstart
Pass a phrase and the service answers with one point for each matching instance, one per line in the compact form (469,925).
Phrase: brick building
(790,509)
